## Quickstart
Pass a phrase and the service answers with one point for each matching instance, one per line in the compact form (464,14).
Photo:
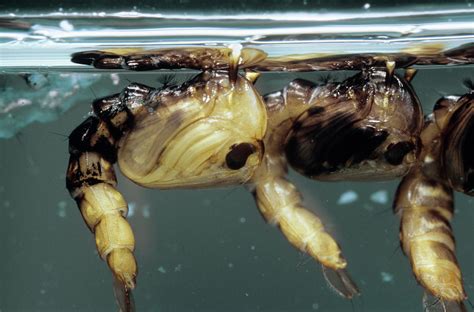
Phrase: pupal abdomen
(205,132)
(366,127)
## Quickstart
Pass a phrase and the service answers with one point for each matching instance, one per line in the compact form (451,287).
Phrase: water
(53,37)
(199,250)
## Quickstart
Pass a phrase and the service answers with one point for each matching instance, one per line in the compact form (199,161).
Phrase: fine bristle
(340,282)
(435,304)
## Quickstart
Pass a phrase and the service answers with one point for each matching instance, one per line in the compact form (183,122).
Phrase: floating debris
(379,197)
(315,306)
(35,81)
(242,220)
(162,270)
(62,209)
(44,98)
(347,197)
(386,277)
(178,268)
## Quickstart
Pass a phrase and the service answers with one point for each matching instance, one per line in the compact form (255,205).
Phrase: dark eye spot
(238,155)
(395,152)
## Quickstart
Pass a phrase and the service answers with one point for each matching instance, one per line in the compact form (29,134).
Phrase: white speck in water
(178,268)
(66,25)
(315,306)
(379,197)
(53,93)
(230,265)
(347,198)
(62,209)
(469,4)
(252,247)
(146,211)
(162,270)
(115,78)
(366,6)
(246,294)
(6,204)
(42,291)
(386,277)
(132,206)
(242,220)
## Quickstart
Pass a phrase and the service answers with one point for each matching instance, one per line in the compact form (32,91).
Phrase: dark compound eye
(238,155)
(395,152)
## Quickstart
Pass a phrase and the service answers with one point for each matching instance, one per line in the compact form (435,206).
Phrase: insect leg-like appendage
(424,202)
(199,58)
(425,207)
(92,183)
(278,199)
(281,204)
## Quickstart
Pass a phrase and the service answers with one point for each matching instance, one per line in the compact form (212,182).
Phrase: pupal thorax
(455,118)
(205,132)
(366,127)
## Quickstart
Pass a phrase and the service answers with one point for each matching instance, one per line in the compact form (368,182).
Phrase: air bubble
(347,197)
(379,197)
(132,206)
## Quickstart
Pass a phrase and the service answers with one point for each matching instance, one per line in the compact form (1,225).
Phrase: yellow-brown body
(216,130)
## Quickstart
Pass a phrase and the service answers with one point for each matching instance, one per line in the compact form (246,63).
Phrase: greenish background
(201,250)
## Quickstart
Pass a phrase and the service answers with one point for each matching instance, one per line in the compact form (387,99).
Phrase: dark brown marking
(397,151)
(315,110)
(87,138)
(237,157)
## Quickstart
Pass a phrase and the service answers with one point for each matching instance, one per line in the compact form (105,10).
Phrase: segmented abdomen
(426,208)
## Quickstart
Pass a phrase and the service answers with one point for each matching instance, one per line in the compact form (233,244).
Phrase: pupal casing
(366,127)
(455,116)
(203,133)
